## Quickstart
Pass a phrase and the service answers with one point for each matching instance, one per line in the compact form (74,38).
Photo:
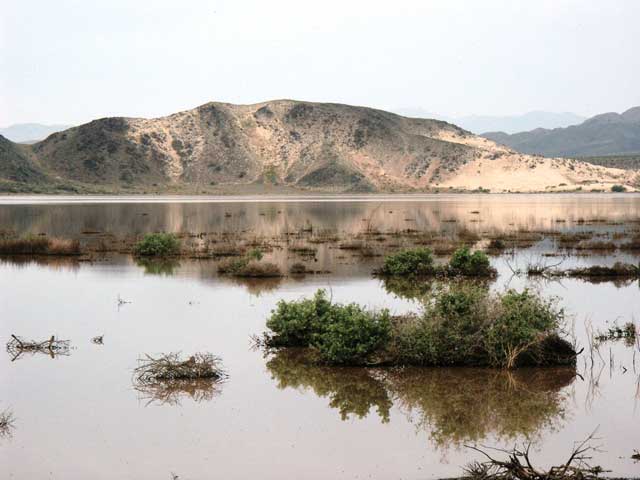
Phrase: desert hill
(219,147)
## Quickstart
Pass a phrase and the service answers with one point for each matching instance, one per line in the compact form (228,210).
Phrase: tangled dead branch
(518,465)
(6,423)
(18,346)
(168,378)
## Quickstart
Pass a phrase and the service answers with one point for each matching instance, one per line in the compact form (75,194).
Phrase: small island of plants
(461,325)
(418,262)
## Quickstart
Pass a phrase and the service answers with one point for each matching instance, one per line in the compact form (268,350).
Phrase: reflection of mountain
(446,215)
(452,405)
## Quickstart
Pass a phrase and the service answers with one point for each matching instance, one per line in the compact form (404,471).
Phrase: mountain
(508,124)
(605,134)
(30,132)
(283,144)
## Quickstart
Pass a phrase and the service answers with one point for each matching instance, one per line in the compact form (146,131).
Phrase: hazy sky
(69,61)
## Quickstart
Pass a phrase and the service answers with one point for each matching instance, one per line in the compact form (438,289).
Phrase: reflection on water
(452,405)
(158,266)
(371,423)
(173,392)
(443,213)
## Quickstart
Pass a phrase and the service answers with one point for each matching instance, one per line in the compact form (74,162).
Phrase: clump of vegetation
(250,265)
(419,262)
(618,188)
(496,244)
(461,325)
(618,269)
(157,245)
(467,325)
(171,367)
(168,378)
(342,334)
(470,264)
(415,262)
(298,268)
(626,332)
(39,245)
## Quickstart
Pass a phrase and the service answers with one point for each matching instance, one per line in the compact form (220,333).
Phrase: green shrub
(618,188)
(518,323)
(342,334)
(158,245)
(462,324)
(294,324)
(418,261)
(467,325)
(351,334)
(255,254)
(464,262)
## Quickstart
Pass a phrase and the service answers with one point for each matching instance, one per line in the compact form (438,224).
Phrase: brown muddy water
(79,416)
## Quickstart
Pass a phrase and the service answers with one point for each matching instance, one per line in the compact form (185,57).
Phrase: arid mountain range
(285,144)
(604,134)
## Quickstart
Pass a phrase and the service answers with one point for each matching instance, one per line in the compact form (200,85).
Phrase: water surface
(80,416)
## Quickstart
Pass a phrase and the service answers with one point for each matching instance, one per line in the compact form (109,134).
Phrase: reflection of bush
(419,288)
(351,390)
(158,266)
(452,405)
(462,405)
(407,288)
(172,392)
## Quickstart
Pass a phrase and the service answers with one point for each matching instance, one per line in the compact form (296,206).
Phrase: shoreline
(28,199)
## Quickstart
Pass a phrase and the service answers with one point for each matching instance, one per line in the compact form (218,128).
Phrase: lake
(81,416)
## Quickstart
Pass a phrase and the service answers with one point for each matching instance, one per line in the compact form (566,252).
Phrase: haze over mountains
(604,134)
(479,124)
(30,132)
(221,147)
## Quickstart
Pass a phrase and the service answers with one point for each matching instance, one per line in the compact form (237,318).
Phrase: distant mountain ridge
(505,123)
(604,134)
(327,147)
(30,132)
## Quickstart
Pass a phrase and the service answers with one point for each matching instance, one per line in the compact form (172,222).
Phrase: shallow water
(79,416)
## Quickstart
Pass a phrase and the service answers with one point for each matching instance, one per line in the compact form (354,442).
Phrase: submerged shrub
(417,261)
(342,334)
(158,245)
(464,262)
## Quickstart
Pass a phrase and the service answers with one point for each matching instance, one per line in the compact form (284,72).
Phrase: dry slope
(317,146)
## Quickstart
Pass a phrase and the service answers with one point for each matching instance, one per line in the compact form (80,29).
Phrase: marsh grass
(39,245)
